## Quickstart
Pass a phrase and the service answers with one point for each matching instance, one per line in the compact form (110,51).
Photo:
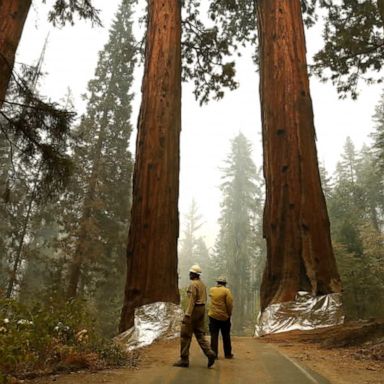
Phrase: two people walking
(193,322)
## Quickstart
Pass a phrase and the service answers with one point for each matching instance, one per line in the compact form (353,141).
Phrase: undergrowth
(49,336)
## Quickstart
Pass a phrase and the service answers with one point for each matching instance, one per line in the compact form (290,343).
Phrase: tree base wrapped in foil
(152,322)
(304,313)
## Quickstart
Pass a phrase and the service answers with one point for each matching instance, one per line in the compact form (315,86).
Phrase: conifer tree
(192,247)
(29,178)
(326,183)
(152,238)
(378,134)
(5,164)
(371,181)
(346,204)
(296,227)
(235,250)
(105,164)
(355,209)
(296,223)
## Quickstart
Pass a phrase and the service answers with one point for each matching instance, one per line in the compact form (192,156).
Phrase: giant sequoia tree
(296,224)
(12,18)
(153,233)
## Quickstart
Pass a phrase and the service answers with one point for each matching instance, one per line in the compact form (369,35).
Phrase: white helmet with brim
(195,269)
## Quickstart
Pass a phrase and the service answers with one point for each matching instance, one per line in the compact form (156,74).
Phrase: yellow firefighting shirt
(221,303)
(197,294)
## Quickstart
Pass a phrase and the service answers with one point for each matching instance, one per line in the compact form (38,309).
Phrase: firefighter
(219,315)
(193,322)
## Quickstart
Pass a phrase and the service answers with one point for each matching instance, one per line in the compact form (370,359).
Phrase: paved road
(254,362)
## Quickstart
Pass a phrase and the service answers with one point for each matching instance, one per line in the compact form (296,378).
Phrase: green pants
(196,326)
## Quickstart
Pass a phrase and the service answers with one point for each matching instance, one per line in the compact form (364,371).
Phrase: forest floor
(339,355)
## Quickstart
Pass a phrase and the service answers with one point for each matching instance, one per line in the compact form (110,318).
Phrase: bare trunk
(296,224)
(81,247)
(13,14)
(154,229)
(13,278)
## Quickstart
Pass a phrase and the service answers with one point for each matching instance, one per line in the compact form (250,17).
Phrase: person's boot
(231,356)
(211,359)
(181,363)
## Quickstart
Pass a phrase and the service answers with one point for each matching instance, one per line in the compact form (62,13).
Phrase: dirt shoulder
(347,354)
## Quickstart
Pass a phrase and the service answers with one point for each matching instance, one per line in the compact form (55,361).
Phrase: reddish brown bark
(13,14)
(296,224)
(152,241)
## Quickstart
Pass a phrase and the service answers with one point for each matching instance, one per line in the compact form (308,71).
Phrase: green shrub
(50,335)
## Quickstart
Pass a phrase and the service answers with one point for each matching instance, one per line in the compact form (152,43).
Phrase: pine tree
(44,259)
(29,186)
(26,173)
(193,249)
(5,165)
(103,178)
(235,249)
(378,135)
(346,204)
(370,179)
(326,182)
(355,212)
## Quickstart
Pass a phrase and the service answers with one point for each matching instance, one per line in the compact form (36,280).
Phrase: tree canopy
(353,44)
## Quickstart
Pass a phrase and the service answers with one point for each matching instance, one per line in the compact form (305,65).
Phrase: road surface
(254,362)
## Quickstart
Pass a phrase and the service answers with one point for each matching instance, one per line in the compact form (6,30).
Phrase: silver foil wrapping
(304,313)
(152,322)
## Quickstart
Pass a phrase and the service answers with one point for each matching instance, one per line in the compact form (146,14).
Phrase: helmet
(195,269)
(221,279)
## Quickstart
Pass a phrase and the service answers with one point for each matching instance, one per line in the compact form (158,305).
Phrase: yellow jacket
(197,294)
(221,303)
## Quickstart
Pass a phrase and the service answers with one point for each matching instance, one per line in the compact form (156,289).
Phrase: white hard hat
(221,279)
(195,269)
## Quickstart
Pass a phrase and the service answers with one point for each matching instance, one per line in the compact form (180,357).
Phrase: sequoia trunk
(152,240)
(296,224)
(13,14)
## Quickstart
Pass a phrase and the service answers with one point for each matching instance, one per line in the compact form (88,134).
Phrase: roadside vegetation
(53,336)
